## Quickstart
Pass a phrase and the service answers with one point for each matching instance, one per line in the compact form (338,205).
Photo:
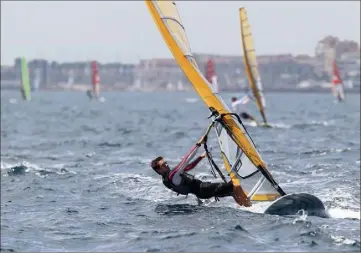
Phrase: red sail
(336,78)
(210,70)
(337,86)
(95,78)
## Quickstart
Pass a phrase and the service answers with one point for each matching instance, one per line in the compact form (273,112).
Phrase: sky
(124,31)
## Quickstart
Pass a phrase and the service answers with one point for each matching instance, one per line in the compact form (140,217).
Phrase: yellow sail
(250,62)
(166,16)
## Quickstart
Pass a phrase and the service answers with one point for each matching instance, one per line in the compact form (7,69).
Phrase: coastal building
(281,71)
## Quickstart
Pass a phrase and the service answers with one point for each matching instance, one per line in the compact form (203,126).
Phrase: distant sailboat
(250,63)
(37,79)
(211,75)
(70,80)
(94,93)
(337,84)
(95,80)
(180,86)
(25,88)
(169,86)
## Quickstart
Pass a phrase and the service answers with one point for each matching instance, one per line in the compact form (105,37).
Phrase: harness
(183,188)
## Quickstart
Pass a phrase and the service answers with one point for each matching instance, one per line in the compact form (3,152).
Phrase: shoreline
(123,88)
(353,91)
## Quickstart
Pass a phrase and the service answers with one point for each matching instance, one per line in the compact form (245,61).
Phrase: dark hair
(154,163)
(234,98)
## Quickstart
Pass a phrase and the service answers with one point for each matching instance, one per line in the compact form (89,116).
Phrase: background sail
(37,78)
(166,16)
(211,75)
(337,85)
(25,79)
(250,61)
(95,79)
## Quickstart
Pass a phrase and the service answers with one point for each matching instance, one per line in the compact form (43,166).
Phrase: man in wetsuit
(179,181)
(89,94)
(236,104)
(339,97)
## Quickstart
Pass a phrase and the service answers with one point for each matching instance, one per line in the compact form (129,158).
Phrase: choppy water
(84,183)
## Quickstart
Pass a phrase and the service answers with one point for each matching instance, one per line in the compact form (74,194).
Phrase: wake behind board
(258,124)
(255,123)
(266,125)
(290,204)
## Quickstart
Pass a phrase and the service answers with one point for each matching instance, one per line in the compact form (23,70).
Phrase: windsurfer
(22,93)
(236,104)
(183,183)
(339,97)
(90,94)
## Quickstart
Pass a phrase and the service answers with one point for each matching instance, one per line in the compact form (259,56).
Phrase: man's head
(234,99)
(160,166)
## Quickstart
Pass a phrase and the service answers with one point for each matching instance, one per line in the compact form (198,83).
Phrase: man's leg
(244,115)
(208,190)
(247,116)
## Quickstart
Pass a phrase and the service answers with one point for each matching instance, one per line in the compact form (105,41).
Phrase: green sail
(25,80)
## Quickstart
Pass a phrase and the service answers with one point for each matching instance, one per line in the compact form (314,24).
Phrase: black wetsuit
(183,183)
(245,115)
(203,190)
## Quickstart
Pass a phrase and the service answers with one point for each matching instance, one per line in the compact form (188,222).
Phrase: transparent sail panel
(171,18)
(247,173)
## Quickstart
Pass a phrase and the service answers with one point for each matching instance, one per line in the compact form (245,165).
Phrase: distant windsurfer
(183,183)
(23,93)
(236,108)
(90,94)
(339,97)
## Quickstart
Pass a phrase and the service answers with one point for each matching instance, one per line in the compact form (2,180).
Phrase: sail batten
(170,18)
(190,56)
(233,138)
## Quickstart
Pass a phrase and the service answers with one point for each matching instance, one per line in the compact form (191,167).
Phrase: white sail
(215,83)
(252,180)
(37,78)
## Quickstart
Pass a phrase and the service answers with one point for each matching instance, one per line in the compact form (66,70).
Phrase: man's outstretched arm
(174,176)
(195,162)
